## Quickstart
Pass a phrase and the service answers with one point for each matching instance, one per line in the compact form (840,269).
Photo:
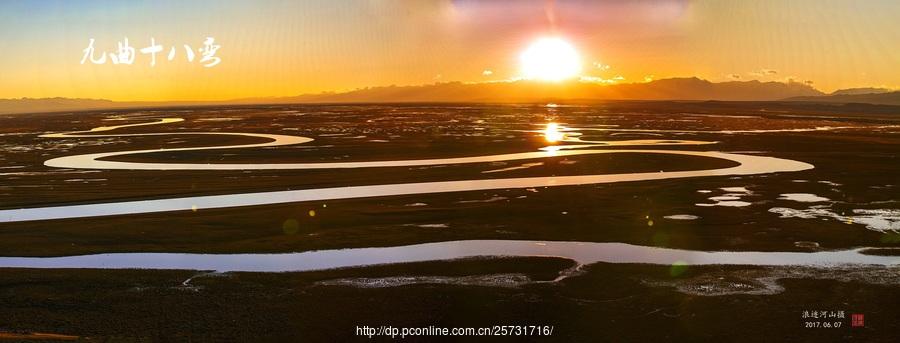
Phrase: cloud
(487,72)
(601,66)
(763,72)
(597,79)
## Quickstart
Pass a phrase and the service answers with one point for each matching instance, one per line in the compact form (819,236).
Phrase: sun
(550,59)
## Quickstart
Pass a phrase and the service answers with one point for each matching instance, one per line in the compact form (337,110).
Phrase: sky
(285,48)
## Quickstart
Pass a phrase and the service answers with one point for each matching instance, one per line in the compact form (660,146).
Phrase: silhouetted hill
(698,89)
(892,98)
(51,104)
(33,105)
(528,91)
(863,90)
(505,92)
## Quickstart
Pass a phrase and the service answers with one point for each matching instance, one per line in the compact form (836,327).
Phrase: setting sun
(550,59)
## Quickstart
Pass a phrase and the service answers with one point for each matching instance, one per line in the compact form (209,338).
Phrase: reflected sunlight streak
(553,134)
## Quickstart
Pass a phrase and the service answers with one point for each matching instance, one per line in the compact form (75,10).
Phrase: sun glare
(550,59)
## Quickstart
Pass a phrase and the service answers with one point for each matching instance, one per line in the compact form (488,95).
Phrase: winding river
(747,165)
(581,252)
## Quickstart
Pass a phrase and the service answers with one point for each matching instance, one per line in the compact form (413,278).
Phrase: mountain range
(521,91)
(529,91)
(881,98)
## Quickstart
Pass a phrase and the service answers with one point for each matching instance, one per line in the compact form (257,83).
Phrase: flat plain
(847,202)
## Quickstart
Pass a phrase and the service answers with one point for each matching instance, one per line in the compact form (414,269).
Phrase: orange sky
(282,48)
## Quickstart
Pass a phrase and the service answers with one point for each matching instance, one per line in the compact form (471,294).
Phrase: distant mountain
(504,92)
(892,98)
(34,105)
(864,90)
(698,89)
(51,104)
(528,91)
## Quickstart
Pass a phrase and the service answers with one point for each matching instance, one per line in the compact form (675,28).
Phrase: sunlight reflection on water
(581,252)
